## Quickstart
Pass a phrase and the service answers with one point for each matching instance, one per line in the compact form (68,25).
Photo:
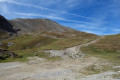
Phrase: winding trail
(72,52)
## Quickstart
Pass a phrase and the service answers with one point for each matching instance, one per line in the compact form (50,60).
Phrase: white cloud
(86,26)
(69,2)
(47,16)
(94,32)
(4,9)
(5,0)
(116,30)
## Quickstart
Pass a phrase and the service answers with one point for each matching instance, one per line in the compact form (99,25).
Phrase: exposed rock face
(31,25)
(5,25)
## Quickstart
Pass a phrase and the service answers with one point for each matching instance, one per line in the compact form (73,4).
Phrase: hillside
(108,48)
(45,27)
(33,25)
(42,34)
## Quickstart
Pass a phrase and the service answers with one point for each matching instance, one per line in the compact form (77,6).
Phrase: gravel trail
(72,52)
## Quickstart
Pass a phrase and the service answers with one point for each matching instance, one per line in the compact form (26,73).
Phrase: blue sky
(94,16)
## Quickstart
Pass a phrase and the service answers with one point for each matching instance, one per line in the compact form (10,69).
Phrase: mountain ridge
(38,24)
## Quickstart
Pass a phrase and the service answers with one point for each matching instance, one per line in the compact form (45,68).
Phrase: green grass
(110,43)
(116,76)
(89,70)
(106,48)
(3,35)
(41,42)
(66,43)
(30,53)
(29,42)
(111,56)
(54,58)
(27,45)
(23,53)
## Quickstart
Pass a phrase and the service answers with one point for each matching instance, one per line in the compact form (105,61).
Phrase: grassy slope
(28,41)
(107,48)
(3,35)
(28,45)
(69,41)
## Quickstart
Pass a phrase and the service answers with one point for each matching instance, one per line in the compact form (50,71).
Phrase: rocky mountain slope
(33,25)
(48,27)
(5,25)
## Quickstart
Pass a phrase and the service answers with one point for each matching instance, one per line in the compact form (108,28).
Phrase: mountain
(33,25)
(5,25)
(47,27)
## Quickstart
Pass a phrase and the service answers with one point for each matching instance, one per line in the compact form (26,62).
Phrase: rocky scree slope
(32,25)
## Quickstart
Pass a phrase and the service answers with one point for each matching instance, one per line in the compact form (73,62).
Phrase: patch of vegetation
(3,35)
(4,46)
(110,43)
(66,42)
(28,42)
(24,54)
(27,45)
(116,76)
(91,70)
(107,48)
(58,35)
(53,58)
(95,69)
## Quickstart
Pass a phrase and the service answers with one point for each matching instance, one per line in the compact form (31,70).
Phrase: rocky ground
(74,68)
(69,69)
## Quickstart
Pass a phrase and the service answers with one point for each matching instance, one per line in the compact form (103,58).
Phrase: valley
(41,49)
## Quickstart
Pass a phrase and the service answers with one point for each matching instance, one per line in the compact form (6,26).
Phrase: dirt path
(66,69)
(72,52)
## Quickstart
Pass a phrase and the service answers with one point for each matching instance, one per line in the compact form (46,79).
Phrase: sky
(101,17)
